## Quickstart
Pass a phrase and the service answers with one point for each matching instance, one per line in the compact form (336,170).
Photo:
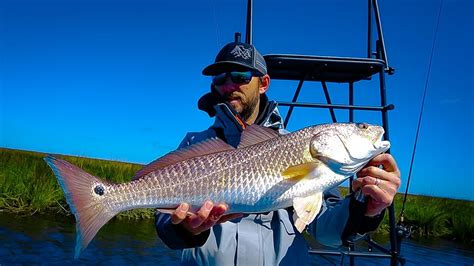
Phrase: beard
(246,101)
(247,106)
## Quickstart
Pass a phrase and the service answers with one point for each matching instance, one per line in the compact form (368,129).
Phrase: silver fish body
(247,179)
(266,172)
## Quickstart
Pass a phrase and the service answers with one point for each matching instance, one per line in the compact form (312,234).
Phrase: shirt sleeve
(341,219)
(176,237)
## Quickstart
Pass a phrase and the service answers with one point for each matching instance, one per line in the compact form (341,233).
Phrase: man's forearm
(342,218)
(357,223)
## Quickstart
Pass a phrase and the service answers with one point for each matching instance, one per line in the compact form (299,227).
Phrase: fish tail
(84,194)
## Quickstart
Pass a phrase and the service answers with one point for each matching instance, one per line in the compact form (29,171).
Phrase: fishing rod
(420,117)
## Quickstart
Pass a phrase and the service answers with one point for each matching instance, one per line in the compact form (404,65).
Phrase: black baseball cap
(237,56)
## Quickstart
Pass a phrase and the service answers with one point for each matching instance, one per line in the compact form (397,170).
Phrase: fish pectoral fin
(299,172)
(306,209)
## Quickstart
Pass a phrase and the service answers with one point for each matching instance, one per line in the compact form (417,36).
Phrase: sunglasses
(236,77)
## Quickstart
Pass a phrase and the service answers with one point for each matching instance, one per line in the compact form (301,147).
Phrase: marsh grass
(427,217)
(435,217)
(28,186)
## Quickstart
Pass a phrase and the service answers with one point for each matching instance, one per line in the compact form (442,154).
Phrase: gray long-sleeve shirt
(256,239)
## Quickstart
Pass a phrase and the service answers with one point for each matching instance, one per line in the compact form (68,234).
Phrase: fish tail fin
(85,196)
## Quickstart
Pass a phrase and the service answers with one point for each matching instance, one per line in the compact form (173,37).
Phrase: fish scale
(266,172)
(243,191)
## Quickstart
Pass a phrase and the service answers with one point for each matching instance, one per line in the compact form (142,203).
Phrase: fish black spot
(99,190)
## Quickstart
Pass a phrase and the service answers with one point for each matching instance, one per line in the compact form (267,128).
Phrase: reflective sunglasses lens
(241,77)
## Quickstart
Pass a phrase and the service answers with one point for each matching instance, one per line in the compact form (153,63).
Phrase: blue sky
(120,80)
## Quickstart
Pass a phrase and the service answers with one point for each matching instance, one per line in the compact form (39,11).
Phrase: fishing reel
(403,231)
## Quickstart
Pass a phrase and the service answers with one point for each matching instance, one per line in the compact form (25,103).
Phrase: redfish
(266,172)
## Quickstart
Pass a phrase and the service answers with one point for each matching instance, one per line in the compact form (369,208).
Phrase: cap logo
(240,51)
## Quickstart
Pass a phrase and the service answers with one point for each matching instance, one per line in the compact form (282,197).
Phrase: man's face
(243,97)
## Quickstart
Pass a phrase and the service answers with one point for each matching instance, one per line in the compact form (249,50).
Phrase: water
(50,240)
(426,252)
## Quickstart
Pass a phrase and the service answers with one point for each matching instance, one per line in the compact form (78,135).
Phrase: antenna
(248,31)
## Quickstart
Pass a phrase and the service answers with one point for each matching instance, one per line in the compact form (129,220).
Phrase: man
(208,236)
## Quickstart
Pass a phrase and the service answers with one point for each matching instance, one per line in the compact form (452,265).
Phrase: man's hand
(379,184)
(202,220)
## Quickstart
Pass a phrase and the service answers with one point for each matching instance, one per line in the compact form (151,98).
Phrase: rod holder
(237,36)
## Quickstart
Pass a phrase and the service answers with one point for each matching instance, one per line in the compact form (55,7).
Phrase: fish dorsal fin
(299,172)
(254,134)
(306,210)
(206,147)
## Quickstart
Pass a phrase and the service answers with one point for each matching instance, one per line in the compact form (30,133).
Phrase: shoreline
(28,187)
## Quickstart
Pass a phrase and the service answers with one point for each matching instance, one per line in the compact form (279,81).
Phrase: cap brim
(225,66)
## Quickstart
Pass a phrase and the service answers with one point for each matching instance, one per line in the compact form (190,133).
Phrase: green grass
(28,186)
(430,217)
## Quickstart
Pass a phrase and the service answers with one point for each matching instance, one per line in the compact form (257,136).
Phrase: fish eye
(363,125)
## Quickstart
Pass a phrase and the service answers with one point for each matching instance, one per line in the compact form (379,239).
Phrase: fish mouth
(381,145)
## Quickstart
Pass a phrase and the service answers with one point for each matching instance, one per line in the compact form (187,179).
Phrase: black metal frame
(342,70)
